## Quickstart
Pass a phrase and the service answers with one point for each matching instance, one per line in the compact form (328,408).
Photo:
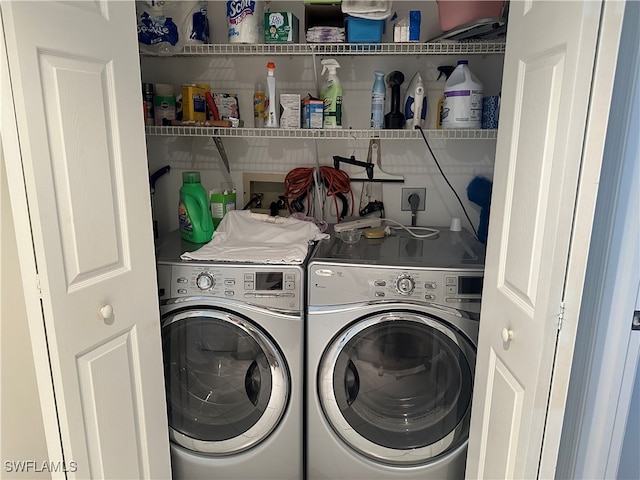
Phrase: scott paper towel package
(167,26)
(245,21)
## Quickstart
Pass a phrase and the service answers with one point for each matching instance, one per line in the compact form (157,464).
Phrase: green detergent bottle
(194,215)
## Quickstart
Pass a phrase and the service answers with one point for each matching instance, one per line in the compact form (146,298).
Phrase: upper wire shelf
(194,131)
(434,48)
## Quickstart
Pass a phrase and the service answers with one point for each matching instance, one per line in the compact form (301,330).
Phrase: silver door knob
(507,335)
(106,312)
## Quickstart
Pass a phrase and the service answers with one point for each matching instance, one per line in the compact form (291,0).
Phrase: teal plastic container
(194,215)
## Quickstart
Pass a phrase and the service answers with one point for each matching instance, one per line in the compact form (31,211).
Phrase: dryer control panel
(340,284)
(275,286)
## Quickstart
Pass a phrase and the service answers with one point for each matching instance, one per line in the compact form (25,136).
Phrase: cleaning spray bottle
(331,94)
(445,70)
(378,92)
(271,102)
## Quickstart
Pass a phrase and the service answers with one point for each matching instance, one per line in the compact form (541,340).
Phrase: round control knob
(405,284)
(205,281)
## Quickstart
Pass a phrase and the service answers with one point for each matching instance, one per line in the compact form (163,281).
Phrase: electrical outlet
(405,206)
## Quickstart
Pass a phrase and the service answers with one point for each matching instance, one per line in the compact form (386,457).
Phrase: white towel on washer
(246,237)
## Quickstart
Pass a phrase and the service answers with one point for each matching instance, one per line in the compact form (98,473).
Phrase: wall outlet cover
(405,206)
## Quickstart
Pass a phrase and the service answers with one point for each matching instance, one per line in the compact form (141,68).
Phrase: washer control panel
(276,286)
(337,284)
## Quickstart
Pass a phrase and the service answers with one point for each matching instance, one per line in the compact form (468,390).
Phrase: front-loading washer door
(397,387)
(227,382)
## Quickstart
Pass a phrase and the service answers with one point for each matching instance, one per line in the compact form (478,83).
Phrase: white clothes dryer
(392,327)
(232,338)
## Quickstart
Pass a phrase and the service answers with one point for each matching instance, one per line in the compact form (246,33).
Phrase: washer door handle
(351,383)
(252,383)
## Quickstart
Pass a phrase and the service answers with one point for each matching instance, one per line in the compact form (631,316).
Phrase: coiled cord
(298,184)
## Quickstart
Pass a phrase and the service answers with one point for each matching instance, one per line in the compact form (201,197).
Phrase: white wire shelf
(193,131)
(444,48)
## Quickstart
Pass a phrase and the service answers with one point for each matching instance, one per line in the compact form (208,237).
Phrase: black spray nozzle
(447,70)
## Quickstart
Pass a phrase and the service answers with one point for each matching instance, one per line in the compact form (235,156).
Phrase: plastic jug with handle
(194,216)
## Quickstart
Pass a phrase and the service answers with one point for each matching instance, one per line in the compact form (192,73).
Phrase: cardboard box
(289,110)
(281,27)
(228,107)
(407,29)
(312,113)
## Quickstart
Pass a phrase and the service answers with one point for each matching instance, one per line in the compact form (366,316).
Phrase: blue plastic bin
(363,30)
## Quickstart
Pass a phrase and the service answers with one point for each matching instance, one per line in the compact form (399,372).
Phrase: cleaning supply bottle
(377,100)
(331,94)
(463,94)
(194,216)
(445,70)
(271,102)
(258,105)
(223,200)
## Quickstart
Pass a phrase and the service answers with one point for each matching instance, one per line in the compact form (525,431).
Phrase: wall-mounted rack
(431,134)
(433,48)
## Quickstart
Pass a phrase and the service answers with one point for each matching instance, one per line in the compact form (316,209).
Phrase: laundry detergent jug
(194,216)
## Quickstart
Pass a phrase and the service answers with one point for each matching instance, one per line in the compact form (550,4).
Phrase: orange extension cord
(299,182)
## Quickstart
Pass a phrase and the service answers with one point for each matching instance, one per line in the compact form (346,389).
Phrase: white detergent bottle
(463,92)
(271,102)
(331,94)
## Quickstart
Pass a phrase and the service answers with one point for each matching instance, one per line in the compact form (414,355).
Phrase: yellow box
(194,105)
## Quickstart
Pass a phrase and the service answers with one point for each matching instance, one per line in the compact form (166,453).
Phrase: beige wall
(21,426)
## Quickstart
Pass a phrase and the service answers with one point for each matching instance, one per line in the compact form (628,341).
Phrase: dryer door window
(227,383)
(397,387)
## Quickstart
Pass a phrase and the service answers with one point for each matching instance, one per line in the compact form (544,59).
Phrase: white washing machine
(232,337)
(392,327)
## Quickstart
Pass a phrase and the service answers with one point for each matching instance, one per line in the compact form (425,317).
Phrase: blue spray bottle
(377,100)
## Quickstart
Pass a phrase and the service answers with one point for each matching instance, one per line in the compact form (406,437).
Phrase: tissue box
(408,30)
(415,17)
(281,27)
(289,110)
(363,30)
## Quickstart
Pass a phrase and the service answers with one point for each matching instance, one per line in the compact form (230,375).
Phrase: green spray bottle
(331,94)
